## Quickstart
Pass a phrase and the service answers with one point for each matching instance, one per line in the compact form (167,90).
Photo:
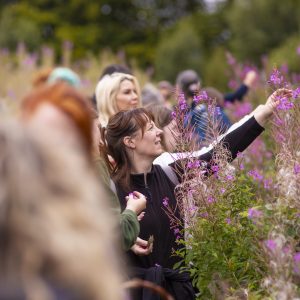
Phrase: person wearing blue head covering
(64,74)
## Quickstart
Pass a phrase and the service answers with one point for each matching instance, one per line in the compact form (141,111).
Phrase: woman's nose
(159,131)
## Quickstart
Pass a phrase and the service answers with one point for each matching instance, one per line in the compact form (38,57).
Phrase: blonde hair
(106,92)
(55,225)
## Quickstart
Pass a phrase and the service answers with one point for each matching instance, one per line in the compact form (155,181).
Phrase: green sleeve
(130,228)
(129,223)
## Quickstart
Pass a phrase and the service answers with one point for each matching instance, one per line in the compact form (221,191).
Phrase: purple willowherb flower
(210,199)
(254,213)
(193,164)
(182,102)
(298,50)
(271,244)
(228,220)
(165,201)
(178,237)
(182,105)
(267,183)
(176,231)
(222,190)
(173,114)
(296,169)
(297,257)
(284,104)
(255,175)
(215,168)
(202,96)
(230,177)
(297,262)
(242,167)
(296,93)
(276,78)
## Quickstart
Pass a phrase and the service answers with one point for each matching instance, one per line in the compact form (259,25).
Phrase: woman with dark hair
(134,142)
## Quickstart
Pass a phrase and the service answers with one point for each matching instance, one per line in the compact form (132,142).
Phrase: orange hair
(66,99)
(41,77)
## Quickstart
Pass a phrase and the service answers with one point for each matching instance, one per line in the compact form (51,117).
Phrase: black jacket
(158,187)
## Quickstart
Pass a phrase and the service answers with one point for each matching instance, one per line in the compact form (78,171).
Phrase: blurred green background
(161,37)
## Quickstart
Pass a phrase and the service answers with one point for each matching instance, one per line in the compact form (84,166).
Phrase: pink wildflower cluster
(255,175)
(193,164)
(276,78)
(201,97)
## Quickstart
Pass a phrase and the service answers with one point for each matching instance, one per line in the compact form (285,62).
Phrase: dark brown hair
(122,124)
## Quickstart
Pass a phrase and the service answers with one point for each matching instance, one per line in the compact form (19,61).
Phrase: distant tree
(258,26)
(15,28)
(178,50)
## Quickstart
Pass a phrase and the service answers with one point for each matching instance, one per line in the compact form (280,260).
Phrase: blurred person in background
(167,91)
(52,75)
(56,234)
(108,70)
(151,95)
(189,83)
(116,92)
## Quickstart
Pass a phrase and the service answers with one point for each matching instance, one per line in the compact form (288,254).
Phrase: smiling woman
(114,93)
(134,142)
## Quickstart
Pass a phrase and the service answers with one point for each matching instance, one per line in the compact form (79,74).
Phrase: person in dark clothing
(188,82)
(134,141)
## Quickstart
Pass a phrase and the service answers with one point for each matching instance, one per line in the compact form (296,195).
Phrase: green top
(130,226)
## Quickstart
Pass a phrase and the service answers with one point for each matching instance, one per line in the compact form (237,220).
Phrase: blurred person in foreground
(56,237)
(62,110)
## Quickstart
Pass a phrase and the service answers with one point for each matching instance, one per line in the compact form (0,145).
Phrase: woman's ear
(129,142)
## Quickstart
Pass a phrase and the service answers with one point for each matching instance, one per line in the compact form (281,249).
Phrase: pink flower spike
(297,257)
(253,213)
(296,93)
(296,169)
(271,244)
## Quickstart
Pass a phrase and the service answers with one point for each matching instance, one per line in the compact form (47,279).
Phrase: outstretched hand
(263,112)
(274,99)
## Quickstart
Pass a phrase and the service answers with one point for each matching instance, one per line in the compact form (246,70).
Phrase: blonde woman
(116,92)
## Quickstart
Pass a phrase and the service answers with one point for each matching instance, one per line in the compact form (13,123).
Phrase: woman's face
(127,97)
(170,135)
(149,145)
